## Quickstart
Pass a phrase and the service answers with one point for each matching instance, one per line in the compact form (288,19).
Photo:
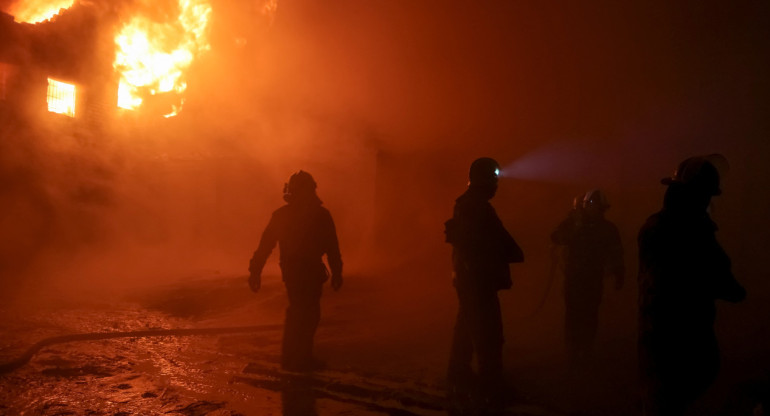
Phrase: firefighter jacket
(481,246)
(304,233)
(593,248)
(683,270)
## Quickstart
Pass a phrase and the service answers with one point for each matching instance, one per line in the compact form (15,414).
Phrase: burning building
(74,78)
(89,60)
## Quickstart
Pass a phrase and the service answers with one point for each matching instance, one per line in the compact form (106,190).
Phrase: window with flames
(61,97)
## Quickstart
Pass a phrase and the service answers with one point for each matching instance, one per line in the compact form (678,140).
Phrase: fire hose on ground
(98,336)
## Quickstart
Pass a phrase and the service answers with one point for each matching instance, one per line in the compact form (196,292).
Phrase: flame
(35,11)
(61,97)
(152,56)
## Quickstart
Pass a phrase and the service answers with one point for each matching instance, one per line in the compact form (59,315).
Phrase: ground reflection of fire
(152,56)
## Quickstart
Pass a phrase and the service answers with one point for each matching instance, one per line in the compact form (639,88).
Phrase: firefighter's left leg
(302,318)
(488,340)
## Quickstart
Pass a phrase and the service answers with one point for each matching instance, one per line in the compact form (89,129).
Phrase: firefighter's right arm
(726,287)
(333,256)
(512,253)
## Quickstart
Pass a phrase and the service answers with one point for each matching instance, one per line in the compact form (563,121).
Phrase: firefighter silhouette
(481,250)
(592,250)
(304,231)
(682,271)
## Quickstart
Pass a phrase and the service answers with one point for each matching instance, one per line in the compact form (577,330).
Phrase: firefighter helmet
(299,183)
(484,171)
(595,198)
(701,172)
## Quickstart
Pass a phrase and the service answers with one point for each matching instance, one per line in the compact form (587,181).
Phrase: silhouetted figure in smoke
(482,250)
(592,251)
(682,271)
(305,232)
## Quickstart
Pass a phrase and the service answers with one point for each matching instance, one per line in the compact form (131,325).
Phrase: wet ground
(381,368)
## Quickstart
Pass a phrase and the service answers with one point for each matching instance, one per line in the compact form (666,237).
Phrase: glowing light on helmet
(596,198)
(484,170)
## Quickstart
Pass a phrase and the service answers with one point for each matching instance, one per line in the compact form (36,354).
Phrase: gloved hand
(255,282)
(336,281)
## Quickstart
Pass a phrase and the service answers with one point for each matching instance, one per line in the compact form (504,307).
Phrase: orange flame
(34,11)
(152,56)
